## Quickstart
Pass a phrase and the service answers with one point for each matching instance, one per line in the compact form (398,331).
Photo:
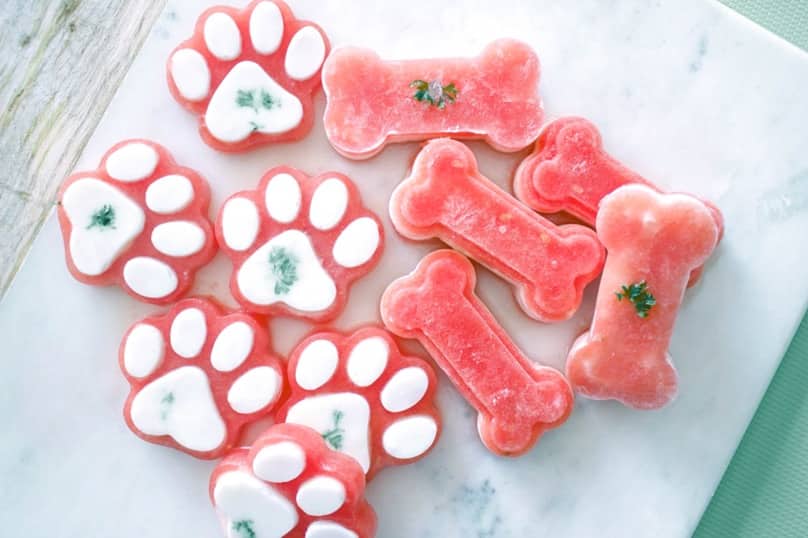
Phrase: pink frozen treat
(366,398)
(289,484)
(517,399)
(139,220)
(372,102)
(199,374)
(249,75)
(570,171)
(445,196)
(653,242)
(297,243)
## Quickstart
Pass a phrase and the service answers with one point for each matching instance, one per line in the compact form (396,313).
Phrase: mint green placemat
(786,18)
(765,489)
(764,492)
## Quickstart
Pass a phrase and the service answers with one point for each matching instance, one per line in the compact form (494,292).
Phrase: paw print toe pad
(321,496)
(280,462)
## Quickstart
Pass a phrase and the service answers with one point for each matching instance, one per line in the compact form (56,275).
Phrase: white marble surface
(685,92)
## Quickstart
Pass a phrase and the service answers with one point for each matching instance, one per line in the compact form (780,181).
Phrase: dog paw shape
(139,221)
(290,484)
(363,396)
(198,374)
(297,243)
(249,74)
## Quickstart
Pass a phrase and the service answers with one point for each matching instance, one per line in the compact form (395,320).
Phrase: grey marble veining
(687,93)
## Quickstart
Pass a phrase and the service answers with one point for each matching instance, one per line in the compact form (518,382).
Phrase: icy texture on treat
(570,171)
(516,398)
(198,374)
(365,398)
(445,196)
(249,75)
(654,241)
(289,483)
(298,242)
(494,96)
(139,221)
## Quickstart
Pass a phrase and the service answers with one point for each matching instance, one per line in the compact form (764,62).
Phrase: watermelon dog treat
(198,374)
(249,75)
(570,171)
(653,241)
(517,399)
(298,242)
(363,396)
(372,102)
(139,221)
(290,484)
(445,196)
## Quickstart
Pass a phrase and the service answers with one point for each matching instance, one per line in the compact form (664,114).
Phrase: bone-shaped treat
(371,102)
(445,196)
(653,242)
(570,171)
(517,399)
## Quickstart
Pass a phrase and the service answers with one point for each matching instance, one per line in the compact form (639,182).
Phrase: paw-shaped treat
(249,74)
(654,241)
(372,102)
(198,374)
(516,398)
(289,483)
(570,171)
(139,221)
(365,398)
(445,196)
(297,243)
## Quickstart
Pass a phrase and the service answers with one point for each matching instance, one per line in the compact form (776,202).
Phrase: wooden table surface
(61,63)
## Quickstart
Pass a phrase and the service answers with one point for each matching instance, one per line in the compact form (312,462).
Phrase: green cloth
(764,492)
(786,18)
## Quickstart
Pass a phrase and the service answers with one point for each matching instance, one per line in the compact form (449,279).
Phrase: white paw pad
(250,72)
(297,243)
(139,220)
(197,376)
(365,398)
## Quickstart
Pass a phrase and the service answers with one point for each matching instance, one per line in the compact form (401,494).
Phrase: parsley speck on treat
(284,269)
(103,218)
(434,92)
(638,294)
(334,436)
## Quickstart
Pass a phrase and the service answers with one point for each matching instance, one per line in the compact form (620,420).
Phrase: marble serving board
(685,92)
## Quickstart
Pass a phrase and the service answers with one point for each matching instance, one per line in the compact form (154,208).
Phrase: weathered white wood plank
(60,63)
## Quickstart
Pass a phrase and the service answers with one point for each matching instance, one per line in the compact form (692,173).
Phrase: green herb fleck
(165,405)
(335,435)
(639,295)
(267,100)
(284,269)
(256,99)
(103,218)
(244,528)
(246,99)
(434,93)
